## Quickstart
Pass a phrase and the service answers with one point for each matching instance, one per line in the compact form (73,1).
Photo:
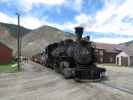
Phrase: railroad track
(117,88)
(102,82)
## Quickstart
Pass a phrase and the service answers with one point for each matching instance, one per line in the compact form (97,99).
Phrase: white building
(125,58)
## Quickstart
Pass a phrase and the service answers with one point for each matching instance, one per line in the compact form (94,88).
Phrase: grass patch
(8,68)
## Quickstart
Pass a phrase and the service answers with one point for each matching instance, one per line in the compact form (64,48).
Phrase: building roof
(128,51)
(114,48)
(4,45)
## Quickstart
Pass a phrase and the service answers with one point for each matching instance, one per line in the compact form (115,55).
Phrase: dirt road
(40,83)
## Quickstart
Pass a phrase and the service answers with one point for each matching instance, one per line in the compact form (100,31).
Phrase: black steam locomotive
(73,59)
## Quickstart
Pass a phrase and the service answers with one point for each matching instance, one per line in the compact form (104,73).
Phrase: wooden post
(18,42)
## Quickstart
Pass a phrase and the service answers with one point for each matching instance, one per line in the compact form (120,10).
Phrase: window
(111,60)
(101,52)
(101,59)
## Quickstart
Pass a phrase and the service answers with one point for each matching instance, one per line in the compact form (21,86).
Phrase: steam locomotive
(73,59)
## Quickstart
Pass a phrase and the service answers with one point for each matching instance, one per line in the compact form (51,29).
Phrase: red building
(5,54)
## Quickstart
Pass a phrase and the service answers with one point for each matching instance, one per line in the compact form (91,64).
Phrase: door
(124,61)
(131,61)
(117,60)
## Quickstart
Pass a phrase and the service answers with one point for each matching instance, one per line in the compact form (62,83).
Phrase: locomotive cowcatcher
(73,58)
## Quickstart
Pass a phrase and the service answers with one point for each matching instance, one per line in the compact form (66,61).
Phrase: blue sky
(108,21)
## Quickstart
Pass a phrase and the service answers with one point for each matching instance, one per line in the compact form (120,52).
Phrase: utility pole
(18,42)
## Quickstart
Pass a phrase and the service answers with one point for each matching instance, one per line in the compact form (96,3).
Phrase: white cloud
(47,2)
(109,19)
(7,19)
(85,20)
(3,1)
(78,5)
(31,22)
(28,4)
(81,20)
(69,26)
(27,21)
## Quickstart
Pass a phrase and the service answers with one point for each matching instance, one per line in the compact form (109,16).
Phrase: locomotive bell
(79,32)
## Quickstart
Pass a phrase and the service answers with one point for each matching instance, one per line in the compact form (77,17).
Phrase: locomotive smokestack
(79,32)
(88,38)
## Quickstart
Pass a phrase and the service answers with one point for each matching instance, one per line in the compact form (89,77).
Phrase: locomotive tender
(74,59)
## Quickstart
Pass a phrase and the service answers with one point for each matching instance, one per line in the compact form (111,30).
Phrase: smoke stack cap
(79,32)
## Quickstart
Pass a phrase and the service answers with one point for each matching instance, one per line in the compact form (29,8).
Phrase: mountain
(69,35)
(12,29)
(8,34)
(33,41)
(38,39)
(128,43)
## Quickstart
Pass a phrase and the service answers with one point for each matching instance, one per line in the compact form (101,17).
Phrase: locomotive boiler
(73,58)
